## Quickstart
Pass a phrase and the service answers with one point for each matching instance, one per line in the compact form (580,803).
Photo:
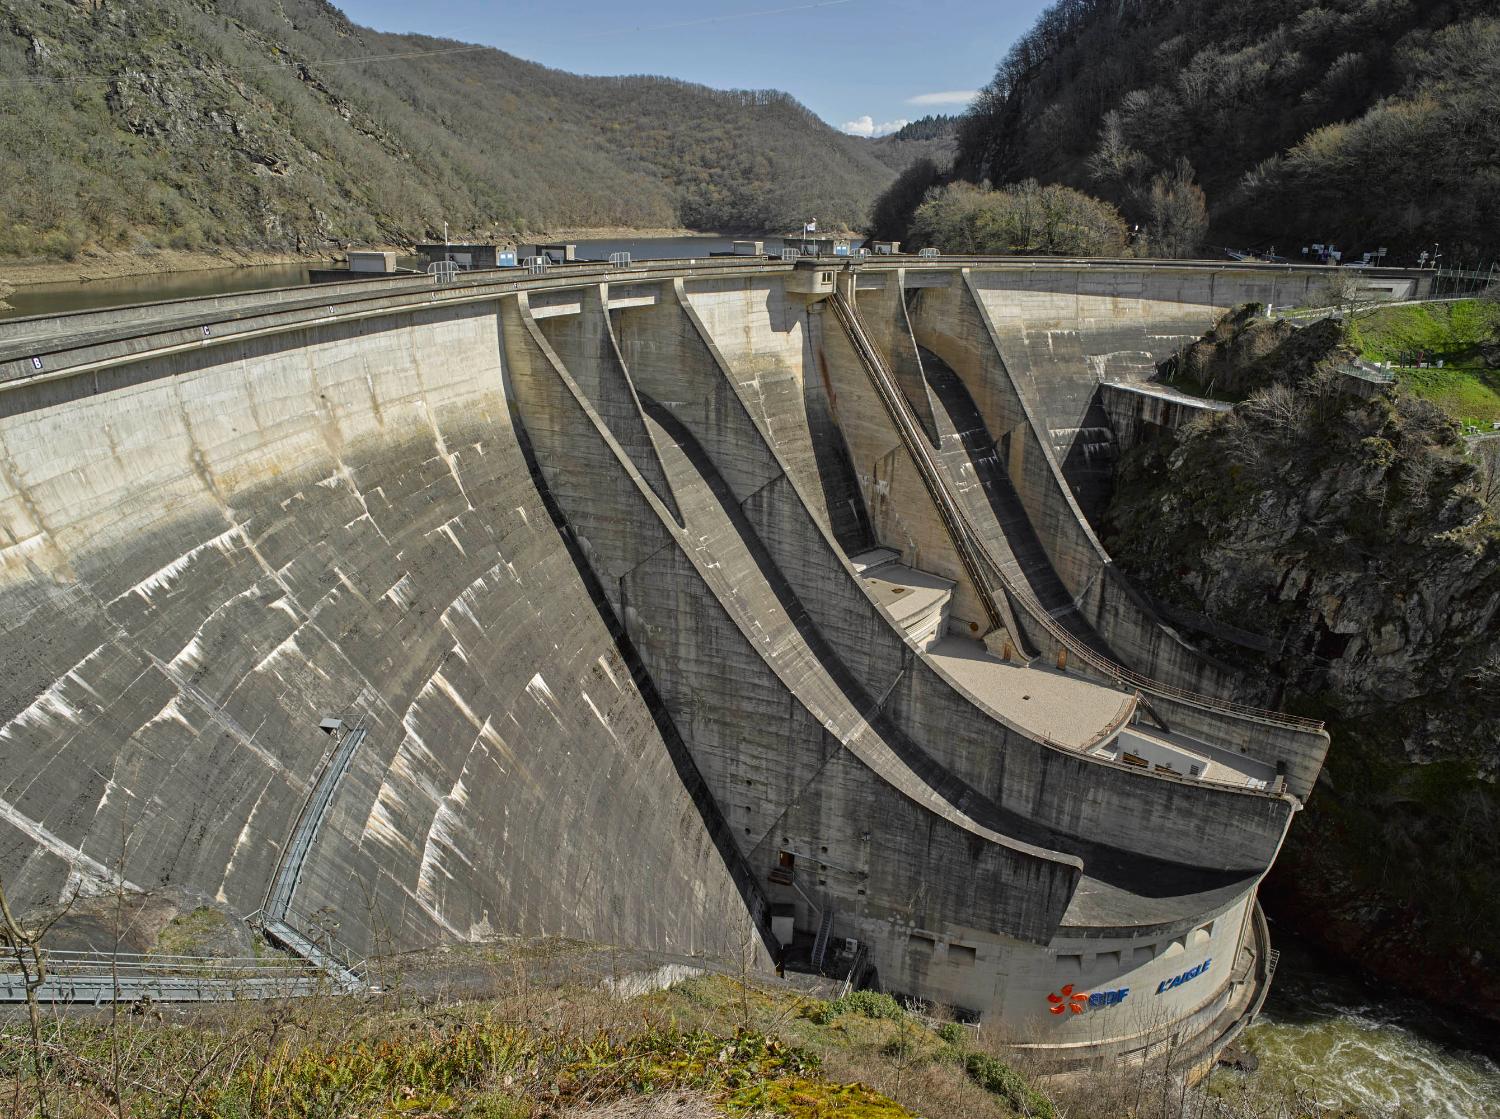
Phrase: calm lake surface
(52,299)
(88,295)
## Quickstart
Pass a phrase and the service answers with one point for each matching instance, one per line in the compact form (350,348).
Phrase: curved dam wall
(575,551)
(205,554)
(975,321)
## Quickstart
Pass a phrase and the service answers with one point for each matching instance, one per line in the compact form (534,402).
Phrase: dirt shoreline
(99,264)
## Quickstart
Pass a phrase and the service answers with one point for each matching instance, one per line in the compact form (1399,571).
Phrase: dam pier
(684,605)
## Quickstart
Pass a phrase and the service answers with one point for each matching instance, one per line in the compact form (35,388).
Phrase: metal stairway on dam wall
(321,965)
(1022,555)
(276,919)
(972,544)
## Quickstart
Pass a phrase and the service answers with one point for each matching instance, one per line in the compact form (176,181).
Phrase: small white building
(813,244)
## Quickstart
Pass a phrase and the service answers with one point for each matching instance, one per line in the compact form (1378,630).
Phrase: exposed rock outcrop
(1246,351)
(1348,526)
(172,920)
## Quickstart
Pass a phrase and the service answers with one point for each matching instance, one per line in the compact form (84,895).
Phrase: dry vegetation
(1024,219)
(530,1028)
(1358,122)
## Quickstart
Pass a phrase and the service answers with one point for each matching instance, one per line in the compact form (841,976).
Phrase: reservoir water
(121,291)
(52,299)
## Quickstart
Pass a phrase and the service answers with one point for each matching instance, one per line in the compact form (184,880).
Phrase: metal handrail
(873,362)
(103,977)
(322,950)
(136,963)
(315,804)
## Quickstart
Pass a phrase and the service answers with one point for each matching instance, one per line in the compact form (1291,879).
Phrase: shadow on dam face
(579,559)
(208,552)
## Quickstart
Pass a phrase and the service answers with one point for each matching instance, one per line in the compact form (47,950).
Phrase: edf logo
(1078,1001)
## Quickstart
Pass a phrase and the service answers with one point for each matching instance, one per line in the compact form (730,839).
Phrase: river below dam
(1328,1038)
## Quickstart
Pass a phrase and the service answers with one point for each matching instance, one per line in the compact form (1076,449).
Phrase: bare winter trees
(1345,292)
(1178,213)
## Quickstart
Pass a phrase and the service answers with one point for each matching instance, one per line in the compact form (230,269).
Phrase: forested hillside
(1362,122)
(254,124)
(932,137)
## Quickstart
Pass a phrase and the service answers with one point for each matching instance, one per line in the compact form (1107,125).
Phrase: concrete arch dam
(684,606)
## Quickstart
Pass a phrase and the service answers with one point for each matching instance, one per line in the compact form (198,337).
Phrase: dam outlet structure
(687,605)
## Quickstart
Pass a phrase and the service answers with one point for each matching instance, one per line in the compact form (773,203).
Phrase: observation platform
(917,601)
(1069,710)
(1164,752)
(1066,710)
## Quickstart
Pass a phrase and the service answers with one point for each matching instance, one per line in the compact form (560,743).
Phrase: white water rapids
(1329,1040)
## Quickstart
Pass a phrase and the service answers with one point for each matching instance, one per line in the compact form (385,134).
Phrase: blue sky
(862,65)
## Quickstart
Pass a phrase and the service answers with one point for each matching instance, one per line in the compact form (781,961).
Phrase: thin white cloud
(944,97)
(866,126)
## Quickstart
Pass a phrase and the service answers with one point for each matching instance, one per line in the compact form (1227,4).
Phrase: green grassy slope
(1453,333)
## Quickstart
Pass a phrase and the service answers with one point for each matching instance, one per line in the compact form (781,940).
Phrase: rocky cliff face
(1348,525)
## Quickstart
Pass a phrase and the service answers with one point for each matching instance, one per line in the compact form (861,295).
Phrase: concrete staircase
(918,601)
